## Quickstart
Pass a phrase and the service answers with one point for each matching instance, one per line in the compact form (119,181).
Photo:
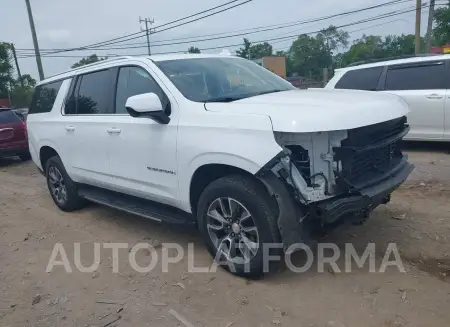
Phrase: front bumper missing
(365,199)
(362,201)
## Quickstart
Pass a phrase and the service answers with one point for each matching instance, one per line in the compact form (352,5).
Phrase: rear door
(423,86)
(86,119)
(12,131)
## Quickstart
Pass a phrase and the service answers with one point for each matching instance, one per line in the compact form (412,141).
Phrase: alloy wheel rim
(232,230)
(57,185)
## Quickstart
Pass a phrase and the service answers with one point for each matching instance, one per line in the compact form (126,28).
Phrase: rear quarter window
(44,97)
(360,79)
(8,117)
(426,76)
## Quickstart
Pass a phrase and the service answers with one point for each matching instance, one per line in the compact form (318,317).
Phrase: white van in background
(423,82)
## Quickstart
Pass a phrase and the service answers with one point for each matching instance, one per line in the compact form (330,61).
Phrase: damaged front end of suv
(324,178)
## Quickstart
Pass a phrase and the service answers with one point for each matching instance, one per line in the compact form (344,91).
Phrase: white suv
(423,82)
(218,142)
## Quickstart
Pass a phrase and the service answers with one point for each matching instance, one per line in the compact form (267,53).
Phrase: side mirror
(147,105)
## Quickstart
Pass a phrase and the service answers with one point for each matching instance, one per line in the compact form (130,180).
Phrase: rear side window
(423,77)
(44,98)
(92,94)
(361,79)
(8,117)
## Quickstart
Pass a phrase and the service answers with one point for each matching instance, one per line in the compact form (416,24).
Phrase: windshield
(221,79)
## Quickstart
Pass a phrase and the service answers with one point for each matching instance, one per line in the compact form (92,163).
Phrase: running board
(134,205)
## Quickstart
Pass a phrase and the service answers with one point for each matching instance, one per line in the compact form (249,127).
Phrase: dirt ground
(417,220)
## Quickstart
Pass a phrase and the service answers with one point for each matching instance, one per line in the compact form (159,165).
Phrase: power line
(175,26)
(381,16)
(284,38)
(116,40)
(199,13)
(258,29)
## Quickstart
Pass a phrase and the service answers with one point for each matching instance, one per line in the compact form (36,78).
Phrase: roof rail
(93,64)
(372,61)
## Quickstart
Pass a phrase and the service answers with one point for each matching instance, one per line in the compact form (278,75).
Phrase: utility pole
(147,30)
(430,25)
(13,49)
(418,17)
(35,41)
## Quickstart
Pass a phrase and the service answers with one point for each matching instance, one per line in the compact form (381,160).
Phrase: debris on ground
(181,285)
(180,318)
(400,217)
(243,300)
(110,302)
(112,321)
(36,299)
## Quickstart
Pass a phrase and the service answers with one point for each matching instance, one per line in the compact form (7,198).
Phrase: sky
(68,23)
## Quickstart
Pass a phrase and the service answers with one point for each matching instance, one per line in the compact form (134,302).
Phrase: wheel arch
(208,173)
(45,153)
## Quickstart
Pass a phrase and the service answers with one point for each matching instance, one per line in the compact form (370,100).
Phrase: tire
(71,201)
(25,157)
(253,199)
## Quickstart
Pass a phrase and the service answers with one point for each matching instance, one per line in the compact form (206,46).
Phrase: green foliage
(243,52)
(88,60)
(193,50)
(441,32)
(308,56)
(6,69)
(255,51)
(21,96)
(333,38)
(375,47)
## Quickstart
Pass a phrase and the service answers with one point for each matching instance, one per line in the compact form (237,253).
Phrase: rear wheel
(61,187)
(237,219)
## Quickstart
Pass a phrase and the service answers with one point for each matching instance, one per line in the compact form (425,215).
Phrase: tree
(375,47)
(308,56)
(255,51)
(88,60)
(333,38)
(193,50)
(21,96)
(6,69)
(441,32)
(244,52)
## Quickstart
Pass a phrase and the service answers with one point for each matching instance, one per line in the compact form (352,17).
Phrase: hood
(318,110)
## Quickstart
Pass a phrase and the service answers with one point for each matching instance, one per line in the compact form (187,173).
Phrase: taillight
(24,125)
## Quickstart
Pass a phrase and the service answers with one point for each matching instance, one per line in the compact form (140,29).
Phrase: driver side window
(134,80)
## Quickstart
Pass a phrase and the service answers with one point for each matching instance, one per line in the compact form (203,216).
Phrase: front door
(142,151)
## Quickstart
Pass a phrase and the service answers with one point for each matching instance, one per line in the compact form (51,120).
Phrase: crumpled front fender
(289,214)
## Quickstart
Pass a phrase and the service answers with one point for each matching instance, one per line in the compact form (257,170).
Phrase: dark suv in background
(13,135)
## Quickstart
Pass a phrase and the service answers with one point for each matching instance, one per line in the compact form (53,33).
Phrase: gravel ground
(417,220)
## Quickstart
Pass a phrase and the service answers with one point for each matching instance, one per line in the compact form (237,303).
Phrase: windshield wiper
(235,98)
(224,99)
(267,92)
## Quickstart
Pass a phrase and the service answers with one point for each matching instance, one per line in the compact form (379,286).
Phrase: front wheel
(237,219)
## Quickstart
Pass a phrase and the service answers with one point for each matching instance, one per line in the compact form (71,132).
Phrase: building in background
(445,49)
(276,64)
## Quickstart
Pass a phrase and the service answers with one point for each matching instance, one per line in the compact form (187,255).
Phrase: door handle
(70,128)
(6,129)
(114,130)
(434,96)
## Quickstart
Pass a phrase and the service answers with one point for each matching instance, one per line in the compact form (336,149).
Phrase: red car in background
(13,135)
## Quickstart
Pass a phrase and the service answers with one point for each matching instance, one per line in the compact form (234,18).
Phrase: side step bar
(134,205)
